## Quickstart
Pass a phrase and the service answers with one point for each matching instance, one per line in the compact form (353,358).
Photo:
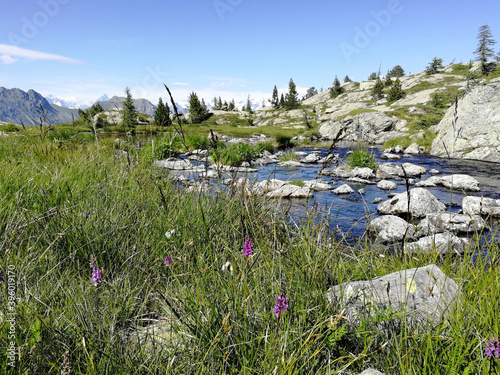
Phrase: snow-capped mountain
(65,103)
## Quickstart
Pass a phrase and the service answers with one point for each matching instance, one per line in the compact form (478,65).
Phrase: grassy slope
(62,202)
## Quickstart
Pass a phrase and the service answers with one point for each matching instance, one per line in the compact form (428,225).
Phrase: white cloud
(180,83)
(10,53)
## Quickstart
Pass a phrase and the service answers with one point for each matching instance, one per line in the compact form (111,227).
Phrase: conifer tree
(347,79)
(292,98)
(282,101)
(248,107)
(162,114)
(232,105)
(275,102)
(336,90)
(397,72)
(434,66)
(216,104)
(378,89)
(396,92)
(129,112)
(485,50)
(197,112)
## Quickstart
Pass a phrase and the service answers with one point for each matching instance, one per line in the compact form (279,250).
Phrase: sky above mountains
(79,50)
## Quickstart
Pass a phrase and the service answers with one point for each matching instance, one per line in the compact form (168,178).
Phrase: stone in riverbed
(390,228)
(387,185)
(454,181)
(422,202)
(291,191)
(450,222)
(343,189)
(481,206)
(440,243)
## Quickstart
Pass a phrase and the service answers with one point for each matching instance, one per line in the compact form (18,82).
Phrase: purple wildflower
(167,261)
(1,277)
(281,305)
(493,348)
(248,249)
(96,276)
(66,368)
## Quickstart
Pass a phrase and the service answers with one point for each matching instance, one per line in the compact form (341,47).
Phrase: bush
(289,155)
(197,142)
(360,157)
(236,154)
(284,141)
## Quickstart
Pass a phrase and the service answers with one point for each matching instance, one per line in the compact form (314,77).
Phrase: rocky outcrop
(390,228)
(470,130)
(367,127)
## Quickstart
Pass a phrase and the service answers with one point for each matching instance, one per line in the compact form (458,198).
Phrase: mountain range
(31,108)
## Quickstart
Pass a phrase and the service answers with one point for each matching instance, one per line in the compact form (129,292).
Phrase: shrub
(195,142)
(360,157)
(284,141)
(236,154)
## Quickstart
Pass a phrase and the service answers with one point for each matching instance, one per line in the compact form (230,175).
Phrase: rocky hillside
(417,118)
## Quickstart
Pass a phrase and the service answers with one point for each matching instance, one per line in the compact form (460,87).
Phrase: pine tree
(216,104)
(397,72)
(232,105)
(162,114)
(484,49)
(129,112)
(347,79)
(219,103)
(336,90)
(248,107)
(396,92)
(275,102)
(282,101)
(197,113)
(292,98)
(434,66)
(378,89)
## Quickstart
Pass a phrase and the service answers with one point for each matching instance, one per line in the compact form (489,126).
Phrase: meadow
(109,267)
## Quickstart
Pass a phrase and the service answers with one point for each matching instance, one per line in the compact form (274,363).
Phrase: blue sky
(78,50)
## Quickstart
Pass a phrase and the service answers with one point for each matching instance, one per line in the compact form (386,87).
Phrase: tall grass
(62,203)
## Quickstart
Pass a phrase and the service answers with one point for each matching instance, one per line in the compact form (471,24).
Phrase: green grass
(62,203)
(361,157)
(355,112)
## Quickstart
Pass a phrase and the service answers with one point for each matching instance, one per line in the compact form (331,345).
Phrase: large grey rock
(318,185)
(481,206)
(450,222)
(390,228)
(343,189)
(470,130)
(414,148)
(387,185)
(270,185)
(346,172)
(366,126)
(419,295)
(440,243)
(422,202)
(290,164)
(311,158)
(454,181)
(174,164)
(387,170)
(291,191)
(371,371)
